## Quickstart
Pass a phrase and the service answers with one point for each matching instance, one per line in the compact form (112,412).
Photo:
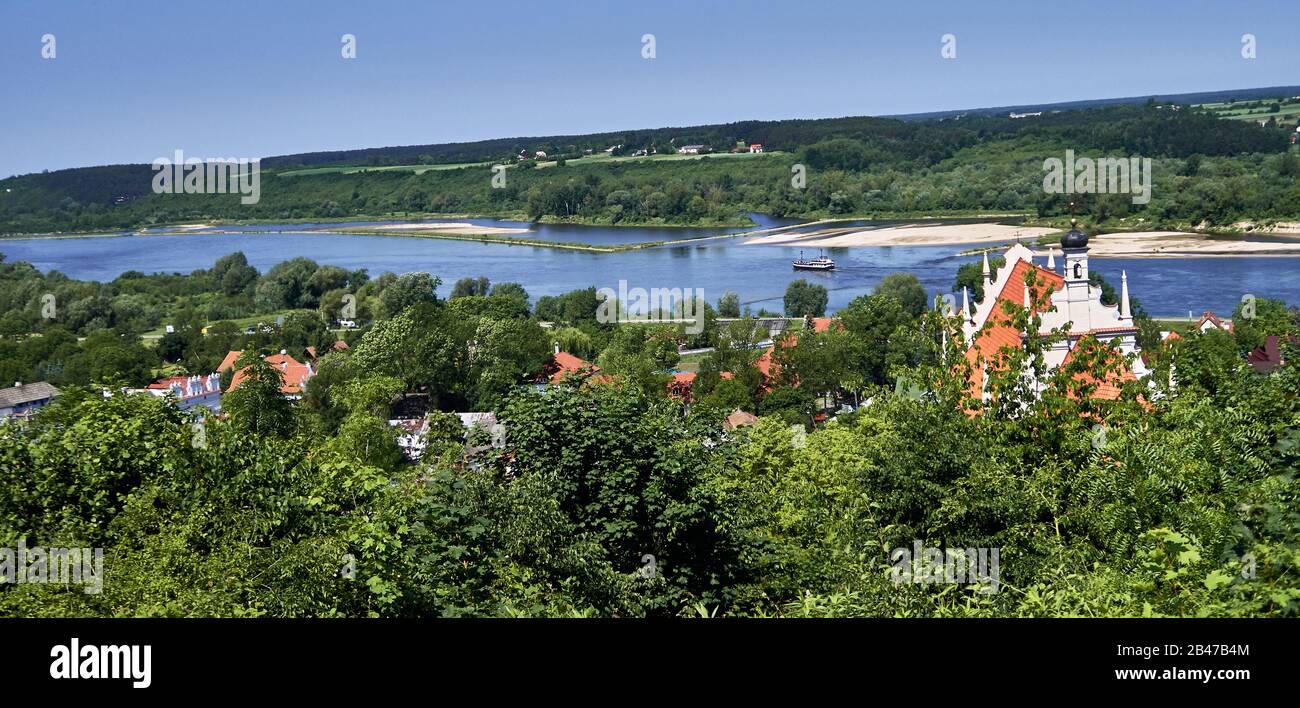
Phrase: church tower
(1074,248)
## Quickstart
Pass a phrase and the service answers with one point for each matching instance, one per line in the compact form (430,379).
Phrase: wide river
(759,274)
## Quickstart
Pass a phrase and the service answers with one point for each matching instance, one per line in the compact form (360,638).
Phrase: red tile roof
(166,383)
(293,374)
(1108,388)
(682,385)
(229,361)
(1211,317)
(563,364)
(998,330)
(739,418)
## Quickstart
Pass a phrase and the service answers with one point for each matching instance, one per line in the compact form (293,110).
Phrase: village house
(1210,321)
(411,436)
(682,384)
(563,364)
(412,424)
(293,373)
(739,418)
(21,401)
(189,391)
(1268,357)
(338,346)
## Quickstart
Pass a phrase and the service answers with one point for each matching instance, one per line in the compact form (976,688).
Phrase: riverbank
(480,237)
(417,219)
(1170,244)
(1177,244)
(484,234)
(463,228)
(1137,244)
(906,235)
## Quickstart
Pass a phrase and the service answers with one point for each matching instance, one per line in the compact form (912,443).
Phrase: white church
(1073,301)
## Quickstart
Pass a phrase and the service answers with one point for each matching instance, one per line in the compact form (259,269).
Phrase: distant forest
(1208,171)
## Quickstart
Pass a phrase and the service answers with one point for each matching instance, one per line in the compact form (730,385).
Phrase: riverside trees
(613,499)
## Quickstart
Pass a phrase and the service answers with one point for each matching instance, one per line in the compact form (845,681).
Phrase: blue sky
(135,80)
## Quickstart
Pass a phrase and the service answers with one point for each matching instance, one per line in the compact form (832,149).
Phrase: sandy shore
(453,228)
(908,235)
(1144,244)
(1175,244)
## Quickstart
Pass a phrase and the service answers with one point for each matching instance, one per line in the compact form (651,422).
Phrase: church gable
(1069,297)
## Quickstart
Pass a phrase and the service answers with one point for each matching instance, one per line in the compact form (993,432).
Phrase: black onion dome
(1074,238)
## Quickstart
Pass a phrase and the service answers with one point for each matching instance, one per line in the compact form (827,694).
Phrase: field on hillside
(349,170)
(588,159)
(1287,110)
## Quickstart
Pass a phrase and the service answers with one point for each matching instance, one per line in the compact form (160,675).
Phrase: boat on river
(819,263)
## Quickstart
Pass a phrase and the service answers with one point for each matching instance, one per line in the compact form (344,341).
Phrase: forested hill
(1207,169)
(781,135)
(1248,94)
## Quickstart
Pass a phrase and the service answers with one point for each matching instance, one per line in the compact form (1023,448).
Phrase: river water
(759,274)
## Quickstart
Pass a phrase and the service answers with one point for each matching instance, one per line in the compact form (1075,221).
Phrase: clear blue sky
(134,80)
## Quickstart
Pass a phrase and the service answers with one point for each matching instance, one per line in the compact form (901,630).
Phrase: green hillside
(1208,169)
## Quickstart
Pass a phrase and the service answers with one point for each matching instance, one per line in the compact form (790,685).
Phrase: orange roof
(684,377)
(739,418)
(229,361)
(293,374)
(682,385)
(168,382)
(765,362)
(564,364)
(822,324)
(1107,389)
(998,330)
